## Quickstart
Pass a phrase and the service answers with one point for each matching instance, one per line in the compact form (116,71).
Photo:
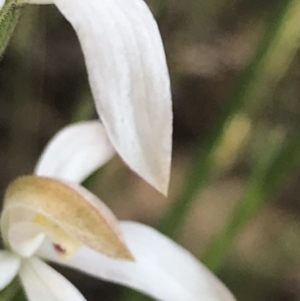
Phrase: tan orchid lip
(70,219)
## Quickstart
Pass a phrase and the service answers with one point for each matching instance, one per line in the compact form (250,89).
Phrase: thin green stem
(252,200)
(264,184)
(287,160)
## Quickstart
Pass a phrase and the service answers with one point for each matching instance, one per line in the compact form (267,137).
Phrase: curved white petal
(25,238)
(42,283)
(129,79)
(9,267)
(162,269)
(75,152)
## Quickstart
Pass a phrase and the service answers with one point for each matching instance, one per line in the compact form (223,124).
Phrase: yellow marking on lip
(67,208)
(68,244)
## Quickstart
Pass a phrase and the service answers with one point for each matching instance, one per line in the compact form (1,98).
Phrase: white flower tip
(163,186)
(155,170)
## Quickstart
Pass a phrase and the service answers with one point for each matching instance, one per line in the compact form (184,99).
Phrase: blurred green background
(234,193)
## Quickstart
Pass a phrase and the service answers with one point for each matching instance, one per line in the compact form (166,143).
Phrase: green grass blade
(201,167)
(254,197)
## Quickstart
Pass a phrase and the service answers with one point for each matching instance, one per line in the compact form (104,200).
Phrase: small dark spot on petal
(58,248)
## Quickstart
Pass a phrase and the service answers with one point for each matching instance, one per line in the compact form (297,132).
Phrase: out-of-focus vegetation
(234,194)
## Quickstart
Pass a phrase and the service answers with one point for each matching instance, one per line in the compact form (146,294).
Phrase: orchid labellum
(129,78)
(49,216)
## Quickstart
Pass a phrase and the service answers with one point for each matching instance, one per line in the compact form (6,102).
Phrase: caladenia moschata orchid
(129,79)
(49,216)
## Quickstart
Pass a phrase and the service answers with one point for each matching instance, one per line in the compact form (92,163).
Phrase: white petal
(75,152)
(42,283)
(162,269)
(129,79)
(25,238)
(9,267)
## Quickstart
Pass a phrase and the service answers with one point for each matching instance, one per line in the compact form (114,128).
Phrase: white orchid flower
(49,216)
(129,79)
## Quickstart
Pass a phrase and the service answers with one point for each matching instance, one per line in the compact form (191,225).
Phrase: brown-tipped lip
(127,255)
(115,247)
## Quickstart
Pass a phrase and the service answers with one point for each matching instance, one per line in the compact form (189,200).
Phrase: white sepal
(129,80)
(42,283)
(163,269)
(9,267)
(75,152)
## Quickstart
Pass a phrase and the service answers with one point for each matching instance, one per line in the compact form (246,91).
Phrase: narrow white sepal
(162,269)
(41,282)
(75,152)
(9,267)
(129,80)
